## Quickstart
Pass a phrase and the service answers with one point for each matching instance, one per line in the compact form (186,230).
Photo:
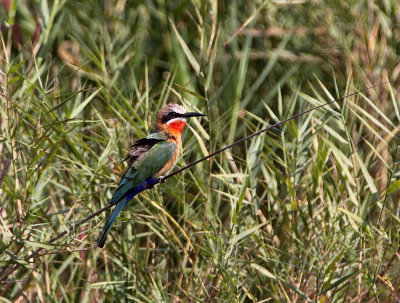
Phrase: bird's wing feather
(141,146)
(145,166)
(148,164)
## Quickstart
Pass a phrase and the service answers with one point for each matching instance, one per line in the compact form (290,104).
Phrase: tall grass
(304,213)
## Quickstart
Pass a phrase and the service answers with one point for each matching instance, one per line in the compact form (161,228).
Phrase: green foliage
(308,212)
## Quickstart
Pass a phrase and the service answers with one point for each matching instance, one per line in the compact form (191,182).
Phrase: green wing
(146,166)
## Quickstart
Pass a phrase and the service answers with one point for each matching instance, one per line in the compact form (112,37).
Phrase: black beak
(193,114)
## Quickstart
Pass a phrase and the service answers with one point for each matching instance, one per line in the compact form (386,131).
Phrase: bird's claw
(161,179)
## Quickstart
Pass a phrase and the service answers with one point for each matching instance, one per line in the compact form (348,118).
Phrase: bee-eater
(150,159)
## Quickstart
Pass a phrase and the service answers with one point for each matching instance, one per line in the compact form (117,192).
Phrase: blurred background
(307,212)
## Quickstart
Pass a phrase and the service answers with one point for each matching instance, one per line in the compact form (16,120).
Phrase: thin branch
(7,272)
(268,128)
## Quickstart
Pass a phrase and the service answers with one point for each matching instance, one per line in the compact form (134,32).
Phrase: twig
(268,128)
(7,272)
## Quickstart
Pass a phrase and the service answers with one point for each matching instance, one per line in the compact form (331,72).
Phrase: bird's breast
(171,163)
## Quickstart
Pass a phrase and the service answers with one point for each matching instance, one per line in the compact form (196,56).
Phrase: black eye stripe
(170,115)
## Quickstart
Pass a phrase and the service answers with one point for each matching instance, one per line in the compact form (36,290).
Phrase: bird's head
(172,119)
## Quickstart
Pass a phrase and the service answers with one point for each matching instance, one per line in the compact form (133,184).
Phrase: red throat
(177,125)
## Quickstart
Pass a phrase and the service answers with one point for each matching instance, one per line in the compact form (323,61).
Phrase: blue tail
(110,222)
(148,183)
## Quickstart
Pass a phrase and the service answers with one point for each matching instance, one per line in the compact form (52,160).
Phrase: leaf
(44,12)
(186,50)
(246,233)
(81,106)
(265,72)
(344,161)
(368,178)
(352,218)
(105,153)
(16,260)
(263,270)
(200,141)
(338,282)
(393,187)
(395,104)
(40,244)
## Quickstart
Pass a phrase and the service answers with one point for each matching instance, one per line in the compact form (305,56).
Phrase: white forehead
(179,109)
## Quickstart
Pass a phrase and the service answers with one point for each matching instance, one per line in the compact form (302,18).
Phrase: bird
(149,160)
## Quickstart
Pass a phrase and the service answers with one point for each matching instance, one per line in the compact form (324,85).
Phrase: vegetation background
(308,212)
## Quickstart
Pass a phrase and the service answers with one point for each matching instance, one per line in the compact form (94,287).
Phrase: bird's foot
(161,179)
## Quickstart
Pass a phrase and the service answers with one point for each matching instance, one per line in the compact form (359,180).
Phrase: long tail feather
(110,222)
(148,183)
